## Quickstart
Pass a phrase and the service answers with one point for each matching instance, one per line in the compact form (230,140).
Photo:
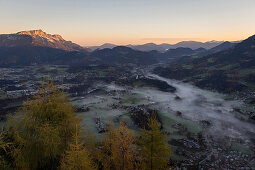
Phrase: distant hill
(181,51)
(172,55)
(38,47)
(167,52)
(228,71)
(164,47)
(38,38)
(106,45)
(195,44)
(150,47)
(36,55)
(223,46)
(124,55)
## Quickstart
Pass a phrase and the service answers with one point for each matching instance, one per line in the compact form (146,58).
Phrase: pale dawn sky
(94,22)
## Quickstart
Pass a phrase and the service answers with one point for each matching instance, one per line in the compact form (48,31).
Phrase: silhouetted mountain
(185,44)
(176,54)
(124,55)
(150,47)
(23,55)
(164,47)
(37,47)
(243,52)
(38,38)
(30,55)
(226,71)
(224,46)
(195,44)
(106,45)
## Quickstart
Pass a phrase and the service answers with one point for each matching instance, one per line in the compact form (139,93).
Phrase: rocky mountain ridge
(39,38)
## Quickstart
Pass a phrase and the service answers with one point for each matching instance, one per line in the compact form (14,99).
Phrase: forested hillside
(45,133)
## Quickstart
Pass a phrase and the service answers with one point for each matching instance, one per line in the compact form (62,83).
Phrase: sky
(122,22)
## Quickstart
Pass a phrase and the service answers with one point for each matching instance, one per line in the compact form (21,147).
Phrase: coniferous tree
(76,157)
(42,129)
(4,150)
(154,147)
(119,149)
(45,134)
(93,147)
(3,144)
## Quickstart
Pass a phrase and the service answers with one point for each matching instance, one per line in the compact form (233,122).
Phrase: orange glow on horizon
(122,22)
(84,39)
(95,41)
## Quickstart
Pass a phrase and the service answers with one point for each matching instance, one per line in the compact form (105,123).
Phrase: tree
(3,144)
(154,146)
(93,147)
(76,157)
(42,129)
(4,150)
(119,149)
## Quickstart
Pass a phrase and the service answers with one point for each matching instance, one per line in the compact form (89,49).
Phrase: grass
(139,83)
(247,109)
(246,72)
(176,157)
(196,57)
(2,95)
(211,68)
(211,60)
(101,73)
(241,148)
(241,116)
(188,66)
(202,75)
(169,119)
(230,66)
(11,105)
(130,99)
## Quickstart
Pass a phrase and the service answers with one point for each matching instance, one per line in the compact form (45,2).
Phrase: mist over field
(127,84)
(197,104)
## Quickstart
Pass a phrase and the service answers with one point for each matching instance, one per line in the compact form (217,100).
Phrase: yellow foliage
(154,147)
(119,149)
(76,157)
(42,129)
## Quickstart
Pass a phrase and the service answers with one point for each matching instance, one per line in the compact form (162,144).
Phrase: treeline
(45,133)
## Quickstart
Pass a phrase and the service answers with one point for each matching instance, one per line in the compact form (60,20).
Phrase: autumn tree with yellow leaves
(119,149)
(42,129)
(76,157)
(154,146)
(45,133)
(4,150)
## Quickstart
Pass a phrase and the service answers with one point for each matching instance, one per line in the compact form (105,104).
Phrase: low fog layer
(197,104)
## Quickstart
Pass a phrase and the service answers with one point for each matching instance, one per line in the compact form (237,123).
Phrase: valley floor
(204,129)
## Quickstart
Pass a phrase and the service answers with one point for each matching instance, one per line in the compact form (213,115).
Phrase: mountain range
(230,69)
(38,38)
(38,47)
(164,47)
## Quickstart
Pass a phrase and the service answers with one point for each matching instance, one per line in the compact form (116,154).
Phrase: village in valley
(103,92)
